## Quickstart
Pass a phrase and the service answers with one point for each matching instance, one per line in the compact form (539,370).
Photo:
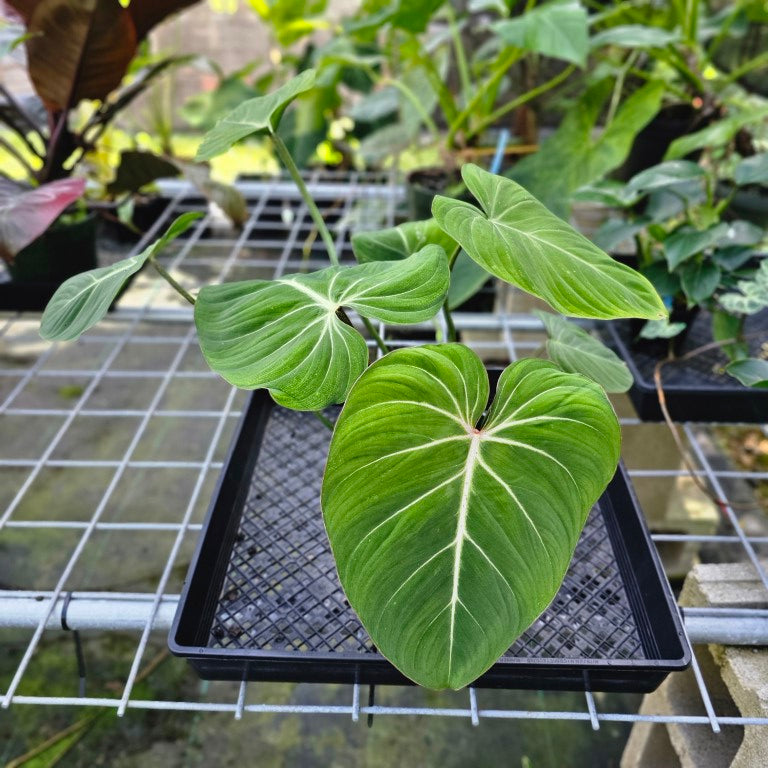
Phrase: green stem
(444,96)
(176,286)
(520,100)
(323,419)
(374,334)
(287,160)
(461,55)
(619,86)
(452,335)
(501,68)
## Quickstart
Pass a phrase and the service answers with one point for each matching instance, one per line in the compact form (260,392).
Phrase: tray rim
(257,410)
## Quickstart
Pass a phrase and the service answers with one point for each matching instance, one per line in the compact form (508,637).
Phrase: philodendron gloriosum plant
(452,521)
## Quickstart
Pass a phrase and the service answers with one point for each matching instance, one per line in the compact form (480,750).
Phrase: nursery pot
(423,185)
(262,599)
(64,250)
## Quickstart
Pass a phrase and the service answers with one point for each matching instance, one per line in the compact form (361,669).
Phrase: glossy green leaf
(752,170)
(699,280)
(255,116)
(399,242)
(752,372)
(80,302)
(634,36)
(287,336)
(517,239)
(742,233)
(664,175)
(449,538)
(577,351)
(558,29)
(725,327)
(684,243)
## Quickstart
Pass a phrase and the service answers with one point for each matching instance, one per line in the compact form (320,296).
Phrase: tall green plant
(452,520)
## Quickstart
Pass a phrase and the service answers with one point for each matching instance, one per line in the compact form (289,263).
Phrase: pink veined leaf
(26,213)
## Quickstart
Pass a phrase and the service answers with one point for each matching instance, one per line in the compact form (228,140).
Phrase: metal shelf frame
(152,318)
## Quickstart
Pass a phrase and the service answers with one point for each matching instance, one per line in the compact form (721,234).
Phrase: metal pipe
(130,612)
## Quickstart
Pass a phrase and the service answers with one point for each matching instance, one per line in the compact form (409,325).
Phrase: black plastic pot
(696,389)
(62,251)
(262,600)
(422,186)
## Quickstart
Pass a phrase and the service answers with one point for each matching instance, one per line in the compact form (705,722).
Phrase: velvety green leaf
(668,174)
(684,243)
(634,36)
(752,372)
(577,351)
(752,170)
(699,280)
(399,242)
(517,239)
(80,302)
(255,116)
(753,294)
(467,278)
(661,329)
(449,538)
(286,335)
(558,29)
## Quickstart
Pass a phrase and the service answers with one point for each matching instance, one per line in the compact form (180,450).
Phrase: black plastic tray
(262,600)
(694,389)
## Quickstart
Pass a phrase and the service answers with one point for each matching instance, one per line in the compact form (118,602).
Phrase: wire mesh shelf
(139,427)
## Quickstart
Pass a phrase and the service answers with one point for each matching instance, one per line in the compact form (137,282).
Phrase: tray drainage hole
(218,632)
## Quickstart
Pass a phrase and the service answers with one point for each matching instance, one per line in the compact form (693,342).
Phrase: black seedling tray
(695,389)
(262,600)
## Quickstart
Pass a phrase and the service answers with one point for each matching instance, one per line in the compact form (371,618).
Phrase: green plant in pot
(452,519)
(77,53)
(697,259)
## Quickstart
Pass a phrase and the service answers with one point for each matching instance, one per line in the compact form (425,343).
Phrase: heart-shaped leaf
(467,276)
(752,372)
(80,302)
(399,242)
(286,335)
(451,539)
(665,175)
(558,29)
(26,213)
(577,351)
(517,239)
(753,294)
(253,117)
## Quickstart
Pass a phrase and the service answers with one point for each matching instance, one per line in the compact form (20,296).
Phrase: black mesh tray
(694,389)
(262,600)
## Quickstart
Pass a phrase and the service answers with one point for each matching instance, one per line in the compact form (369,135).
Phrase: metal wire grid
(160,327)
